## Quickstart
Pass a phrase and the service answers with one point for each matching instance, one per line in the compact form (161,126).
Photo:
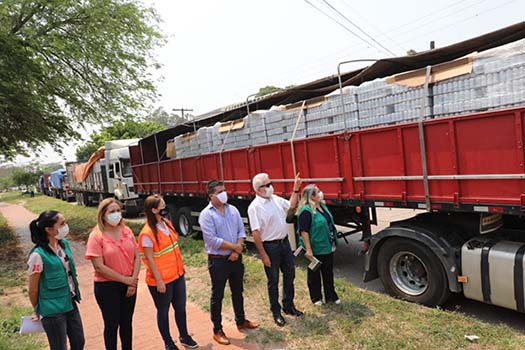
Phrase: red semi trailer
(466,172)
(475,198)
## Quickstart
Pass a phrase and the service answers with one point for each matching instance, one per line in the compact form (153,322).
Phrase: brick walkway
(146,335)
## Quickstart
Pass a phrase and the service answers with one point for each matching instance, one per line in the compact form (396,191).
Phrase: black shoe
(293,312)
(279,320)
(188,342)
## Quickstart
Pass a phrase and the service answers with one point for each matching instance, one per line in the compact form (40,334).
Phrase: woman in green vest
(53,285)
(319,238)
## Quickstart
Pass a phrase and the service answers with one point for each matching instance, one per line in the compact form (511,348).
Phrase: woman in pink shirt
(113,251)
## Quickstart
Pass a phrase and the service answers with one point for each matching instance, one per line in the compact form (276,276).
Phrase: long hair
(38,231)
(306,199)
(151,202)
(102,210)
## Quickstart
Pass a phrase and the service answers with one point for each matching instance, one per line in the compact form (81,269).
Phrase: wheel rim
(409,273)
(184,225)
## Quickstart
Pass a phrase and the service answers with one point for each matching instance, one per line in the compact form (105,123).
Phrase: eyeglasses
(267,185)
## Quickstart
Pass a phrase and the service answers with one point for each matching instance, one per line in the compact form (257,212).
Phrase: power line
(367,21)
(461,20)
(423,25)
(358,27)
(342,25)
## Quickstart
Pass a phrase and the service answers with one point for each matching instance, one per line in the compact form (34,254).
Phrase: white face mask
(114,218)
(62,232)
(269,191)
(222,197)
(321,195)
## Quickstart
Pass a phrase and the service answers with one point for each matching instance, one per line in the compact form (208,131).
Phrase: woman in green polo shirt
(318,237)
(53,285)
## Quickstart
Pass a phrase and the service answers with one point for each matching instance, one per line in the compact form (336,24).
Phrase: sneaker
(188,342)
(318,303)
(337,302)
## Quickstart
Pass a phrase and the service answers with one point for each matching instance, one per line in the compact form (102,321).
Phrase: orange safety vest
(166,254)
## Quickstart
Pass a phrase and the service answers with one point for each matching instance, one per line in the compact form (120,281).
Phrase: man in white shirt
(267,214)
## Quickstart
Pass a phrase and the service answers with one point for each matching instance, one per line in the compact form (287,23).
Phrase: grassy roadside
(81,219)
(12,288)
(365,320)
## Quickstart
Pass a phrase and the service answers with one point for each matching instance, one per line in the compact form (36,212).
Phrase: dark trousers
(326,273)
(222,271)
(281,257)
(117,312)
(66,325)
(176,296)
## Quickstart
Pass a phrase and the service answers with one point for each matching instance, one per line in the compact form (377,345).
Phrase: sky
(218,52)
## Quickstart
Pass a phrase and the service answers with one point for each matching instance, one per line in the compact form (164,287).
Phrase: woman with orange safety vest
(165,271)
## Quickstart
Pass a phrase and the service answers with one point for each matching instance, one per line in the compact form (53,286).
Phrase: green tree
(120,130)
(24,177)
(160,116)
(267,90)
(70,62)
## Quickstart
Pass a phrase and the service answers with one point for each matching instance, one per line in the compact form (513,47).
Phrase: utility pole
(182,110)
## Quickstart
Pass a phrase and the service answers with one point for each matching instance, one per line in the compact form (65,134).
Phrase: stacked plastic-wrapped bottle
(497,80)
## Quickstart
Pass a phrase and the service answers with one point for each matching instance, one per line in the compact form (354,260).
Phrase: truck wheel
(411,271)
(183,221)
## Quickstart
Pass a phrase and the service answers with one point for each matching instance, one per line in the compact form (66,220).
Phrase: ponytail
(38,227)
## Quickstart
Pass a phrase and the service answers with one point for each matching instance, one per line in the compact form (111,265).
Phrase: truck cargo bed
(475,163)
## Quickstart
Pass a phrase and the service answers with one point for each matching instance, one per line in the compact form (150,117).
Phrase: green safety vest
(321,233)
(54,295)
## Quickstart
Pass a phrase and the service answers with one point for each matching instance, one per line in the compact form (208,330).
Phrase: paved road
(350,266)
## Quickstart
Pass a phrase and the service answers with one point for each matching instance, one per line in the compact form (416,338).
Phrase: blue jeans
(222,271)
(281,257)
(66,325)
(117,312)
(176,296)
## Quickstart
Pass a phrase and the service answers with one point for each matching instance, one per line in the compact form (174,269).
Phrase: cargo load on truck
(483,81)
(107,173)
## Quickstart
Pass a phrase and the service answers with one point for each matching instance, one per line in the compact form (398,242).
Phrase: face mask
(269,191)
(163,212)
(222,197)
(62,232)
(321,195)
(114,218)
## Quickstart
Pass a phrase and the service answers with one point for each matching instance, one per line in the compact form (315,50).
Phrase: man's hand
(297,182)
(266,260)
(233,256)
(238,248)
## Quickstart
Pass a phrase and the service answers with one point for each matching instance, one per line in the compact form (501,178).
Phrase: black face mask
(164,213)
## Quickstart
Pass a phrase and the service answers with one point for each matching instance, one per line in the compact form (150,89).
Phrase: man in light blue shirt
(224,233)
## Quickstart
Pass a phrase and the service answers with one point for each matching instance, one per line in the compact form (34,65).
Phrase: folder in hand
(314,262)
(27,325)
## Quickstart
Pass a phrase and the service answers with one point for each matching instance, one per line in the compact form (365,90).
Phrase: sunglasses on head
(267,185)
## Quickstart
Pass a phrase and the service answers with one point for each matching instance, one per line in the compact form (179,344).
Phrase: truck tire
(411,271)
(183,221)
